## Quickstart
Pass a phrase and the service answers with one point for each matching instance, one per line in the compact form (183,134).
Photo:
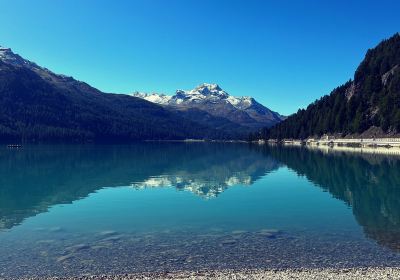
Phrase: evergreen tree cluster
(371,99)
(43,107)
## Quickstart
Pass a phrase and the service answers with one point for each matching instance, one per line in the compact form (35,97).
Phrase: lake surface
(74,210)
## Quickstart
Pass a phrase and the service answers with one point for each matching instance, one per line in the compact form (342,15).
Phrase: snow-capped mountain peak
(6,55)
(154,97)
(208,89)
(9,57)
(212,99)
(202,93)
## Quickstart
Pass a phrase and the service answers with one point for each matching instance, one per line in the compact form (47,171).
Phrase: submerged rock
(65,258)
(107,233)
(113,238)
(56,229)
(238,232)
(269,233)
(228,242)
(77,247)
(47,241)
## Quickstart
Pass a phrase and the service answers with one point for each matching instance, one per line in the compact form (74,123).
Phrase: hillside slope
(368,105)
(37,105)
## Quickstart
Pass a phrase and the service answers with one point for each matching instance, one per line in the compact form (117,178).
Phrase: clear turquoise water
(71,210)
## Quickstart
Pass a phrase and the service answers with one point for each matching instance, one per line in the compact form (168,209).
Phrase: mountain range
(211,105)
(367,106)
(37,105)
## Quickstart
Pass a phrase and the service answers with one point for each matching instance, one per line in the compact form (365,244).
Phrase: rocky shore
(348,274)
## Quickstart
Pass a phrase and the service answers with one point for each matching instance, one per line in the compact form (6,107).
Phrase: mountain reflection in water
(368,183)
(38,177)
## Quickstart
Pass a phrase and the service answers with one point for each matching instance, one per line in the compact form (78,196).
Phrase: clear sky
(284,53)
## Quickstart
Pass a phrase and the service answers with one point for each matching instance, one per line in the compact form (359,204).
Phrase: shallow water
(73,210)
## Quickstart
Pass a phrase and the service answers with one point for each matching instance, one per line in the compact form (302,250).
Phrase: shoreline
(350,273)
(384,146)
(341,142)
(326,149)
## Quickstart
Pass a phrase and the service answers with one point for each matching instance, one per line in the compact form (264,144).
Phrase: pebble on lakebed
(217,252)
(326,274)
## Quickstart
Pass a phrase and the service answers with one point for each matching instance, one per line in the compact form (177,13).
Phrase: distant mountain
(367,106)
(39,105)
(210,105)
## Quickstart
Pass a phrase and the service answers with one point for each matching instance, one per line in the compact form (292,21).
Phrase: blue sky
(284,53)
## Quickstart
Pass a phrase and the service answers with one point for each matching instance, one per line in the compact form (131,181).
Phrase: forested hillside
(370,102)
(37,105)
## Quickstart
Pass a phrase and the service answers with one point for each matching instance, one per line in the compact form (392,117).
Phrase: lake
(90,209)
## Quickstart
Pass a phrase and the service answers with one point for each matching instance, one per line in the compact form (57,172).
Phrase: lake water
(74,210)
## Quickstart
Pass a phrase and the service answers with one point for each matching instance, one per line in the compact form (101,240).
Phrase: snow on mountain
(154,97)
(203,93)
(204,188)
(9,57)
(212,99)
